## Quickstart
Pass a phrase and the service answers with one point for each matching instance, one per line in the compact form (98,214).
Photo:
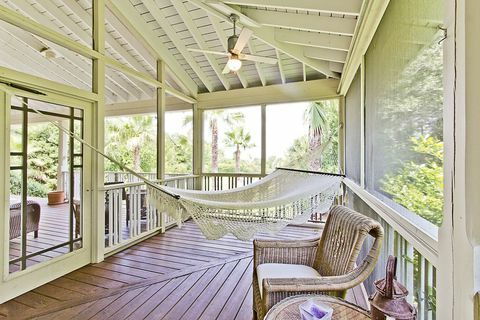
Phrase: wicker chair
(320,265)
(33,219)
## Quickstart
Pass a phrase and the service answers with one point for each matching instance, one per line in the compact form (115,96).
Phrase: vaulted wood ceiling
(311,40)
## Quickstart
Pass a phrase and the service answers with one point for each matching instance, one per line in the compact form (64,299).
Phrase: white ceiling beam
(266,35)
(134,87)
(74,59)
(313,39)
(351,7)
(370,17)
(222,36)
(325,54)
(258,65)
(129,37)
(112,44)
(30,25)
(280,66)
(143,49)
(126,13)
(302,22)
(144,107)
(188,20)
(278,93)
(336,66)
(172,34)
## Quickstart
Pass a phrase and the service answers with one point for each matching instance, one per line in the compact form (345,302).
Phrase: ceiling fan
(235,46)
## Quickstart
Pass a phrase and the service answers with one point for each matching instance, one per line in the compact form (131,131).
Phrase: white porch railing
(119,176)
(414,269)
(226,181)
(129,217)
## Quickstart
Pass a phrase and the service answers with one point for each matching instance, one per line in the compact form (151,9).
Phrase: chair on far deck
(321,265)
(33,219)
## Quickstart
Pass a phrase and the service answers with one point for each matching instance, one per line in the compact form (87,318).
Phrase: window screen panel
(352,129)
(404,107)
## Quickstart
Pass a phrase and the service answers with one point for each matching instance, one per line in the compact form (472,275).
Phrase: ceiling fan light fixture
(234,64)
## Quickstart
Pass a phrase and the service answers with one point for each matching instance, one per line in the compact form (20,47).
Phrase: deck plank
(175,275)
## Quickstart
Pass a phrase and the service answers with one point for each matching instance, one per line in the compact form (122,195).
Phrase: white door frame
(14,284)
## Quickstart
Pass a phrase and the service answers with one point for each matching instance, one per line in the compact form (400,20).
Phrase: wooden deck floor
(176,275)
(53,230)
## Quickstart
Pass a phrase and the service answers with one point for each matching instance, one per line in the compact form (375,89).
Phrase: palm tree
(238,138)
(132,132)
(316,118)
(212,117)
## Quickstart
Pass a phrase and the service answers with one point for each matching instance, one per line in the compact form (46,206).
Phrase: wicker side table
(287,309)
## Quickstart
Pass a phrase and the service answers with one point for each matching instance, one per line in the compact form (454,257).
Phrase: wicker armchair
(324,265)
(33,219)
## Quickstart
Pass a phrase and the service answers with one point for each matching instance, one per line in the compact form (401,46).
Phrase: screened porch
(101,99)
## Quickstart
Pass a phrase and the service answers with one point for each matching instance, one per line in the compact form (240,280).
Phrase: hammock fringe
(268,205)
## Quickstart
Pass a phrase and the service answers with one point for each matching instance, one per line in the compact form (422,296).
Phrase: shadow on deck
(175,275)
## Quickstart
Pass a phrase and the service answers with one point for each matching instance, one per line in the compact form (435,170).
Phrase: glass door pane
(45,182)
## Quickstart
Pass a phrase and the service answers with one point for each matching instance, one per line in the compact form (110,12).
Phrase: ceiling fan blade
(242,40)
(209,52)
(226,69)
(258,58)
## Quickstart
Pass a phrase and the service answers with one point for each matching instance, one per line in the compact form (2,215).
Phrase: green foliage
(418,185)
(42,160)
(178,154)
(131,141)
(318,150)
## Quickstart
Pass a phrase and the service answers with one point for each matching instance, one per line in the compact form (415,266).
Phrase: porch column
(197,145)
(62,156)
(4,184)
(161,120)
(459,235)
(98,122)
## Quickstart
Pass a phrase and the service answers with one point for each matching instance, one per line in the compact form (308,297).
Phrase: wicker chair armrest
(322,284)
(285,251)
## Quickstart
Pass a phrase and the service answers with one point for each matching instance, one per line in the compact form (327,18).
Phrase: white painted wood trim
(290,92)
(161,99)
(313,39)
(172,35)
(424,243)
(372,13)
(19,20)
(4,182)
(314,23)
(267,35)
(127,13)
(351,7)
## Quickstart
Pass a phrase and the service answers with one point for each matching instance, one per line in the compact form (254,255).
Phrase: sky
(284,124)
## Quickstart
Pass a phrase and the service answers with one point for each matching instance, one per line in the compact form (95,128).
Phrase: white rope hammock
(285,196)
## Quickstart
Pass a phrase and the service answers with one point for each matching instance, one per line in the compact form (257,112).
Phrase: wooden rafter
(258,65)
(78,62)
(325,54)
(267,35)
(187,19)
(303,22)
(112,44)
(127,13)
(280,66)
(351,7)
(172,35)
(313,39)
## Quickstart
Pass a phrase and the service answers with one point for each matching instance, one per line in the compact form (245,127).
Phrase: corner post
(161,105)
(263,163)
(197,145)
(98,86)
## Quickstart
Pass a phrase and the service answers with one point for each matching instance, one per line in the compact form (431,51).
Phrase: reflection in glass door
(46,167)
